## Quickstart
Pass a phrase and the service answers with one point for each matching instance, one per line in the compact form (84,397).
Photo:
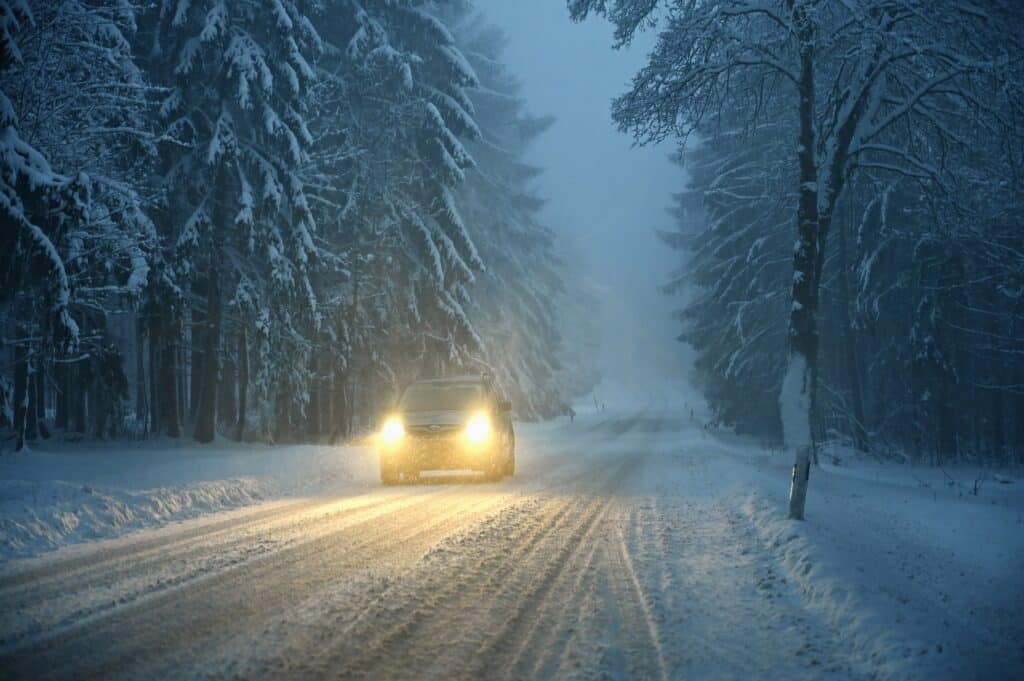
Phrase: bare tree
(885,85)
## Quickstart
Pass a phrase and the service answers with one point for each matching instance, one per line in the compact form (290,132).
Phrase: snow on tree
(871,85)
(516,300)
(734,230)
(260,216)
(392,114)
(234,202)
(72,156)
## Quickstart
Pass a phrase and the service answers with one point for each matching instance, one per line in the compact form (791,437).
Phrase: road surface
(611,554)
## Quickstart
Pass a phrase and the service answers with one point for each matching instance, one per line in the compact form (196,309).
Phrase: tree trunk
(197,336)
(996,369)
(32,399)
(40,397)
(227,411)
(795,399)
(852,370)
(339,425)
(180,375)
(141,407)
(61,398)
(154,379)
(243,381)
(170,423)
(313,408)
(206,413)
(948,448)
(99,405)
(281,422)
(77,395)
(21,373)
(326,406)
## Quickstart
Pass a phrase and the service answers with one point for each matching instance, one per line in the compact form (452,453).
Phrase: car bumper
(439,453)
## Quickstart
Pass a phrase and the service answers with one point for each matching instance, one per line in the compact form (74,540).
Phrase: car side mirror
(504,406)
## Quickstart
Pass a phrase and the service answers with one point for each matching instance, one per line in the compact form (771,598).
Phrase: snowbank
(920,575)
(65,495)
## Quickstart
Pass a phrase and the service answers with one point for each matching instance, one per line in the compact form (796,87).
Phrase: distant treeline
(259,217)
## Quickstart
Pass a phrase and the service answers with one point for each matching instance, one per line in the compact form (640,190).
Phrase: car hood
(434,418)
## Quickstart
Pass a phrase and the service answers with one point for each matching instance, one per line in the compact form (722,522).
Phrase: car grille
(433,431)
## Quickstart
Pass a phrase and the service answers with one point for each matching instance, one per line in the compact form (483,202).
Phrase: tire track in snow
(206,609)
(439,618)
(545,638)
(432,606)
(57,603)
(645,619)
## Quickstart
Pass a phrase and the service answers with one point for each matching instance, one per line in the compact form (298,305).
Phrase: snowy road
(614,553)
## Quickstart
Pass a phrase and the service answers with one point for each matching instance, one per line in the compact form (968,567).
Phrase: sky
(605,197)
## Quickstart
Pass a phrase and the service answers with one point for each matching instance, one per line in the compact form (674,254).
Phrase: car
(458,423)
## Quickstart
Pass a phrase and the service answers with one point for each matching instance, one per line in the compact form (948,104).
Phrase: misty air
(512,339)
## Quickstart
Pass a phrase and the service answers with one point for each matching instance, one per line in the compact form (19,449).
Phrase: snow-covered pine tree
(392,111)
(734,225)
(71,190)
(234,207)
(516,300)
(30,193)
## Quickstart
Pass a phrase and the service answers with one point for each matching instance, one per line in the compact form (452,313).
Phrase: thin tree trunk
(227,412)
(99,404)
(141,407)
(313,408)
(32,397)
(154,378)
(852,369)
(999,428)
(281,424)
(947,445)
(40,395)
(77,395)
(795,400)
(180,375)
(61,397)
(339,430)
(243,381)
(170,422)
(326,405)
(206,413)
(21,373)
(197,337)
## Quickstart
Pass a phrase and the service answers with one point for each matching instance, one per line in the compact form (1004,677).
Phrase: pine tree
(73,196)
(234,208)
(392,111)
(516,300)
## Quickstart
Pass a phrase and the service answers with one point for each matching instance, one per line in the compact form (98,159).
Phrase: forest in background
(855,206)
(258,218)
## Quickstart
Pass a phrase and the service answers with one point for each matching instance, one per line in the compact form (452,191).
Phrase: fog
(606,197)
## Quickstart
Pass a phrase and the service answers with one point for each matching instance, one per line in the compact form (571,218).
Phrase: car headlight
(478,430)
(392,432)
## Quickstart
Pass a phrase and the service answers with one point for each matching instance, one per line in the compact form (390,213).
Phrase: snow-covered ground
(632,543)
(65,494)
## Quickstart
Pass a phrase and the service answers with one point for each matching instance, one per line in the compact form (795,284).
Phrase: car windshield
(441,397)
